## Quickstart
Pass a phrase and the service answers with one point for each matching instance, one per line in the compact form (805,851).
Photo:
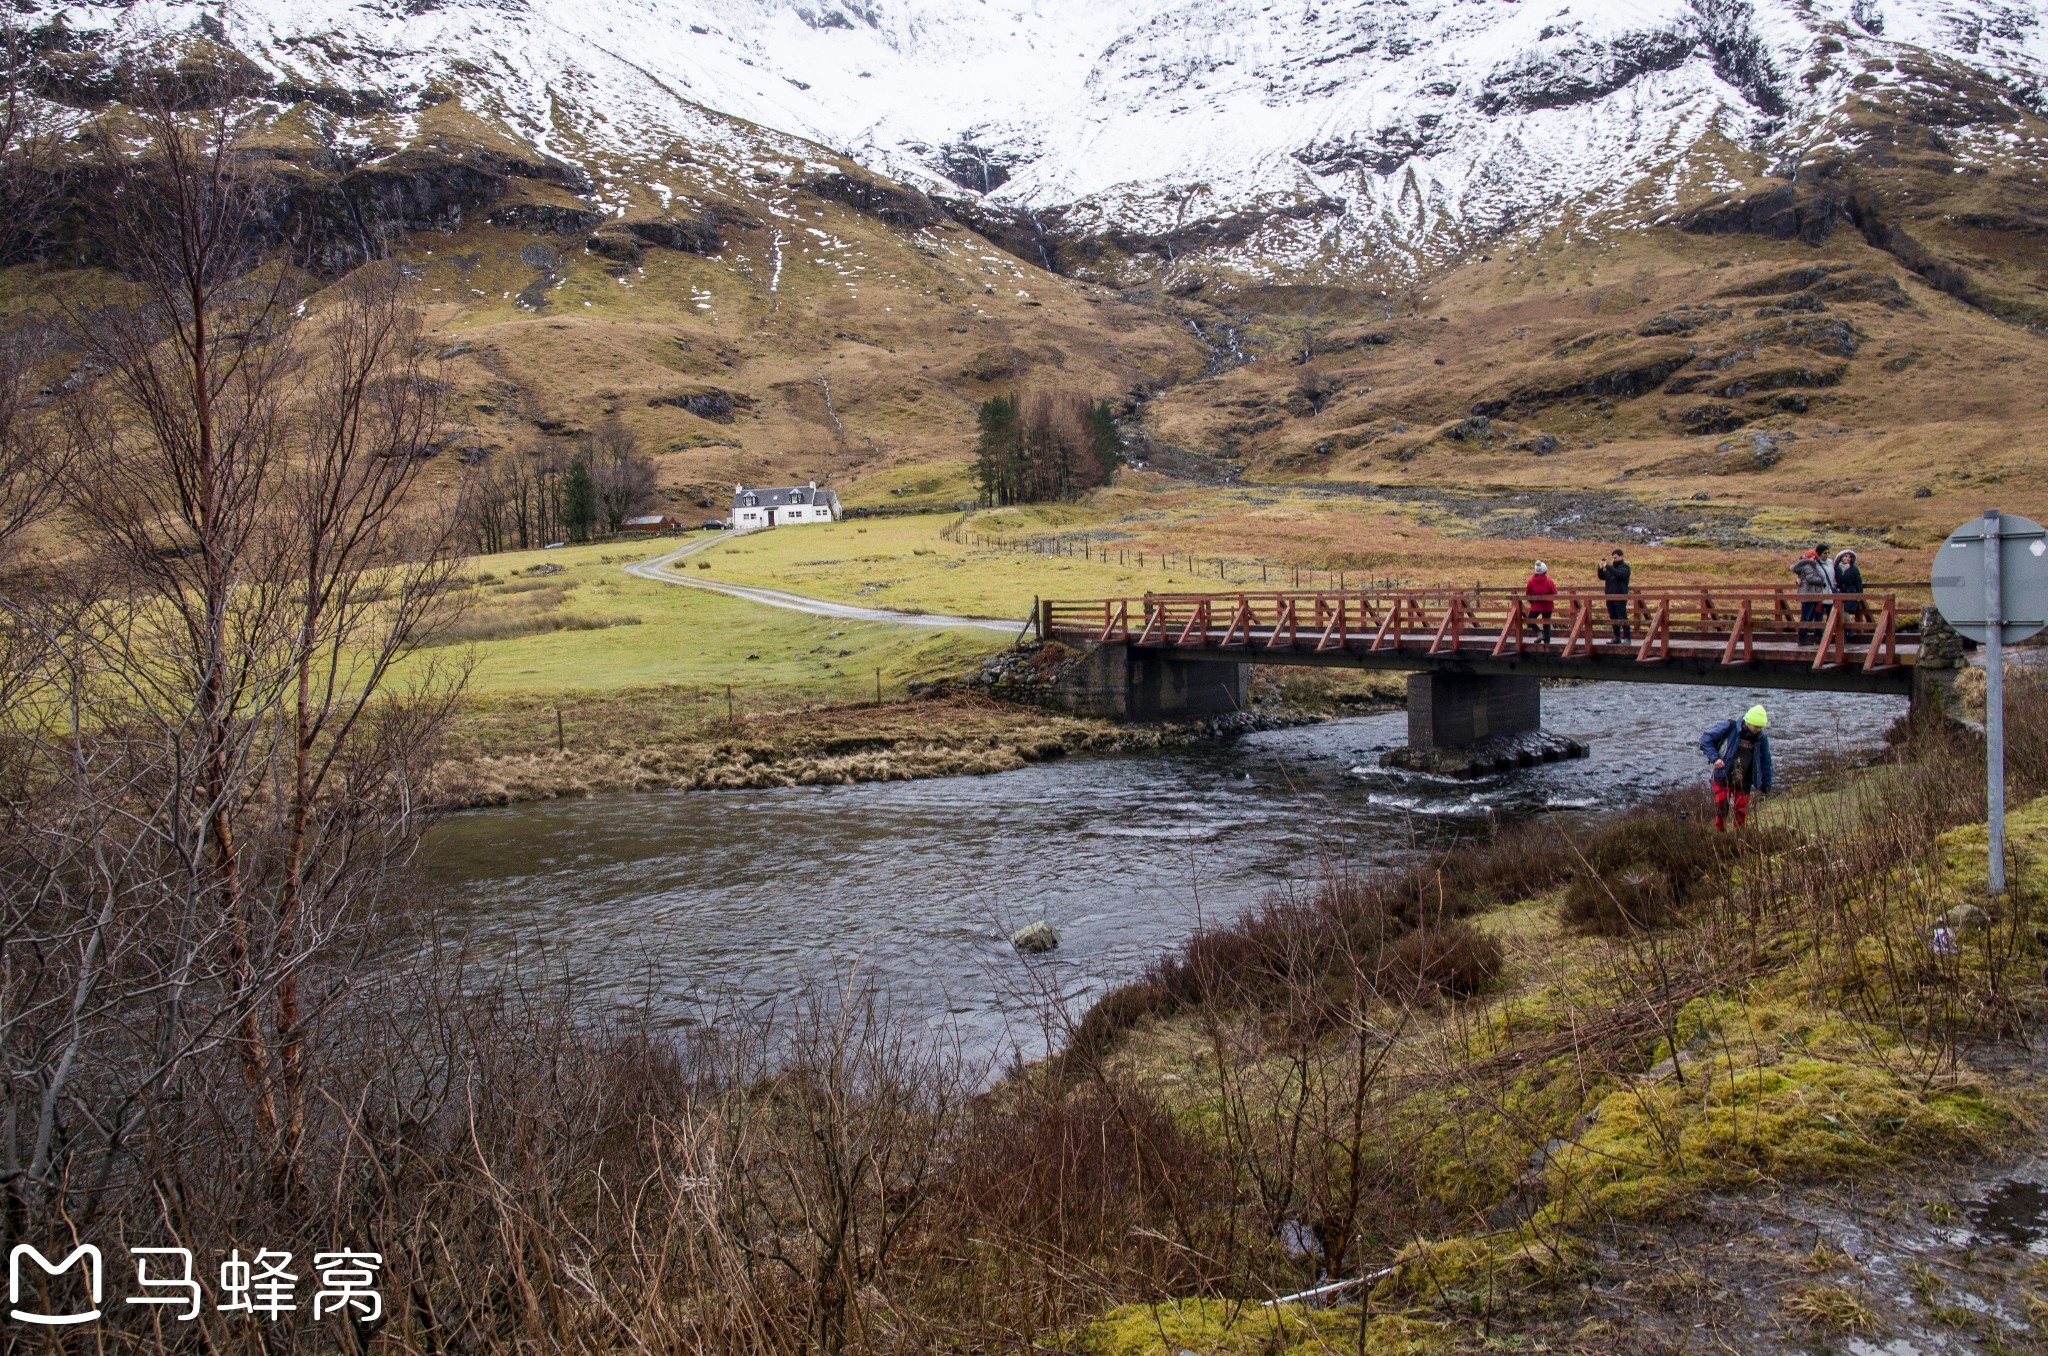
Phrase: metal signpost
(1991,584)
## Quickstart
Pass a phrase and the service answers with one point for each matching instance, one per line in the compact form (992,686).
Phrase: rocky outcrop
(708,402)
(625,242)
(1753,452)
(1058,243)
(1783,212)
(1637,377)
(1712,419)
(1727,30)
(545,218)
(1814,287)
(1836,338)
(1681,320)
(684,236)
(888,203)
(1488,756)
(421,190)
(1582,70)
(207,73)
(1770,379)
(616,245)
(346,221)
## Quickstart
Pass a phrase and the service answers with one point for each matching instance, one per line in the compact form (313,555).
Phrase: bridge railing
(1736,624)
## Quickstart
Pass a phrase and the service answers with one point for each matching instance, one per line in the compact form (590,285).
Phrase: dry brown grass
(1933,398)
(504,749)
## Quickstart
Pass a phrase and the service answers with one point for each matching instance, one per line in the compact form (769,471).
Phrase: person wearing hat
(1849,586)
(1541,590)
(1741,754)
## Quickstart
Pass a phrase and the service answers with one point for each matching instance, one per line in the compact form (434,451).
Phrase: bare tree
(624,479)
(237,765)
(28,150)
(490,505)
(370,582)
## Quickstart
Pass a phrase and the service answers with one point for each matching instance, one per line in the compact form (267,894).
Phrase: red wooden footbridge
(1746,635)
(1187,653)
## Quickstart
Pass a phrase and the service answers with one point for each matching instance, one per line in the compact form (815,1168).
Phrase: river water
(686,904)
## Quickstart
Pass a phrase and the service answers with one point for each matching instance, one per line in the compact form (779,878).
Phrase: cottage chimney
(814,484)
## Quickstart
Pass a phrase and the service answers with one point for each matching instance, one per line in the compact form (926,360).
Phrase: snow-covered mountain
(1319,126)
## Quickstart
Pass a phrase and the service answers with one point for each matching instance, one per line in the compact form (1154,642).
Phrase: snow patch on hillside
(1415,124)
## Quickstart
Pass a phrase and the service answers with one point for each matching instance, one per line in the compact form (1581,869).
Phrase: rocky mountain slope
(1660,243)
(1285,138)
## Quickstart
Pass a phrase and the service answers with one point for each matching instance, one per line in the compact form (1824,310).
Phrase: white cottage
(779,507)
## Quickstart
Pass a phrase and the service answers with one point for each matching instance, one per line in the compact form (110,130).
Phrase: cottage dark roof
(782,497)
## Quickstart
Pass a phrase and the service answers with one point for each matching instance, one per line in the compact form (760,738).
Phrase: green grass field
(592,628)
(904,564)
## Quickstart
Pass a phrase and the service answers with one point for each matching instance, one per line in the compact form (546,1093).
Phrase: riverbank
(504,751)
(509,744)
(1628,1086)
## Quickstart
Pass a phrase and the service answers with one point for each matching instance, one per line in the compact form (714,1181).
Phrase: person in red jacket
(1541,589)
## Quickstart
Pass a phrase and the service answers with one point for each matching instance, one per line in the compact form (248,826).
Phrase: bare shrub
(1457,960)
(1642,871)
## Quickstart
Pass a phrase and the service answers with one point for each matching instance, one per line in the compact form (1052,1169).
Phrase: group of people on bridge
(1825,580)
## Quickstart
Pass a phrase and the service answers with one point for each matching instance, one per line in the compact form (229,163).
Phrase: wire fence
(1107,549)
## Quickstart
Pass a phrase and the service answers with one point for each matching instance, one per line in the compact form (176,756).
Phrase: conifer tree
(579,500)
(999,453)
(1108,438)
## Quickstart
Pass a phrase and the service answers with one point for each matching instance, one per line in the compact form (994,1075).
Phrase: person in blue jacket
(1741,754)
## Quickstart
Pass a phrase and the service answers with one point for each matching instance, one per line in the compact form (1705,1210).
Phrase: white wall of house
(747,517)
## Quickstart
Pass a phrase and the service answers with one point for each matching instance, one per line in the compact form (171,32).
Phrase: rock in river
(1500,754)
(1036,939)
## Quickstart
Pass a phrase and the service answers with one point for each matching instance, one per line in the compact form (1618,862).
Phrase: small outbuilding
(779,507)
(651,522)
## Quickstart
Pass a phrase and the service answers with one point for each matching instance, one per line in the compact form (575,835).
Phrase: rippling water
(684,900)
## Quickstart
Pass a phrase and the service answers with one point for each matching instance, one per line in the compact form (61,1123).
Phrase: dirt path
(659,571)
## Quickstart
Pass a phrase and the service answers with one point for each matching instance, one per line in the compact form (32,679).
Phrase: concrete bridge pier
(1470,724)
(1118,682)
(1458,710)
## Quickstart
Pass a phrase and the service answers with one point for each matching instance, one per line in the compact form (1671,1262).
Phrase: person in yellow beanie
(1741,754)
